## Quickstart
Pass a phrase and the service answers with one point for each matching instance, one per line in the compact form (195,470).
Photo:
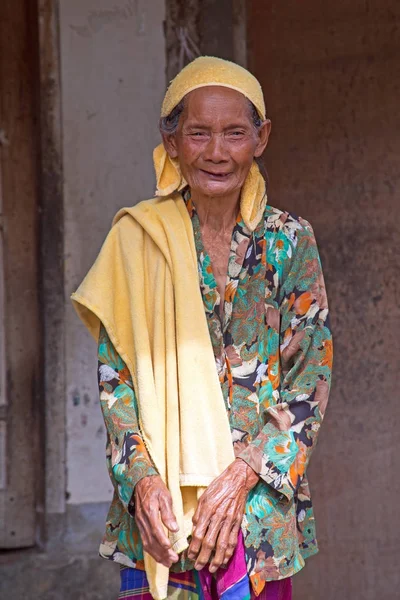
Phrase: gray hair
(169,124)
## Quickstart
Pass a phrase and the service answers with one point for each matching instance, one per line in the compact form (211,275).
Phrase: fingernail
(212,569)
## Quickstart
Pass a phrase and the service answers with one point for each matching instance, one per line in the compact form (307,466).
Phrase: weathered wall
(207,27)
(331,74)
(105,106)
(20,388)
(113,79)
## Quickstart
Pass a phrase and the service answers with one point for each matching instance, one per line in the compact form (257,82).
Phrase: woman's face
(216,141)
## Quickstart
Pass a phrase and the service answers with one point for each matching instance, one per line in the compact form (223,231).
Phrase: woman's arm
(140,488)
(127,458)
(281,452)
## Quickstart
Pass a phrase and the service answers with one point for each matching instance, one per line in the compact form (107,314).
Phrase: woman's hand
(153,505)
(219,515)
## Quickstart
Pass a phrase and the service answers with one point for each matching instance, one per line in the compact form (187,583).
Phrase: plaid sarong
(134,585)
(185,586)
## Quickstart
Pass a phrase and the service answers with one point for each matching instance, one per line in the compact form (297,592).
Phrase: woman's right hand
(153,506)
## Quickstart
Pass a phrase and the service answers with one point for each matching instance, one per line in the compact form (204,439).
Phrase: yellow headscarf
(206,71)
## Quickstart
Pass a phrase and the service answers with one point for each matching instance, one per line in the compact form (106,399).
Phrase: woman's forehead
(216,103)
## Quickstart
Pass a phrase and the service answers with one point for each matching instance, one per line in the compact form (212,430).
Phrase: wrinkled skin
(216,521)
(153,508)
(216,143)
(219,515)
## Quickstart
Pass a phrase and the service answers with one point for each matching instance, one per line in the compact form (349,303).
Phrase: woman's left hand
(219,515)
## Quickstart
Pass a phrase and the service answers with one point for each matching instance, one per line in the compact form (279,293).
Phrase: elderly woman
(215,353)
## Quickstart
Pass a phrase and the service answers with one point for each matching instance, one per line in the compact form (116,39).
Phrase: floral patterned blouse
(273,354)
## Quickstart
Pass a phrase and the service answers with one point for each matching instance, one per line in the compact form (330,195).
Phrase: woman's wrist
(252,478)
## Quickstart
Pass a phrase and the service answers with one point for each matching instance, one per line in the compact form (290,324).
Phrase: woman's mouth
(216,176)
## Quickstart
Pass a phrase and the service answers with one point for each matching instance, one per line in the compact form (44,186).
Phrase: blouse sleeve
(127,458)
(281,452)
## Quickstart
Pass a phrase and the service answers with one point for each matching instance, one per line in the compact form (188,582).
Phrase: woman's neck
(217,213)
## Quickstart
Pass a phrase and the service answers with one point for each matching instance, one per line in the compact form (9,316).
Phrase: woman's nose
(216,150)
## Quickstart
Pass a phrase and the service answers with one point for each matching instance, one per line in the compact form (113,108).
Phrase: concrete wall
(113,80)
(331,75)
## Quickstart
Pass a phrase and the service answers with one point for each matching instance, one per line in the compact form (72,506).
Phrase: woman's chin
(217,188)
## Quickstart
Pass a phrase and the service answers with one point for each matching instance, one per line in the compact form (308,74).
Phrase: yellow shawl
(144,288)
(153,313)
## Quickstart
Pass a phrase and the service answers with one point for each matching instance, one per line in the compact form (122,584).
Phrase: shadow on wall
(331,77)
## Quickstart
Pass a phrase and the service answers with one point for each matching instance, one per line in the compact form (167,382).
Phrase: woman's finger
(196,541)
(209,540)
(167,513)
(225,547)
(199,531)
(198,510)
(220,548)
(232,541)
(155,540)
(156,527)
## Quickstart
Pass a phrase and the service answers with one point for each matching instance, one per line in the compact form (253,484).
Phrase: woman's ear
(263,136)
(169,142)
